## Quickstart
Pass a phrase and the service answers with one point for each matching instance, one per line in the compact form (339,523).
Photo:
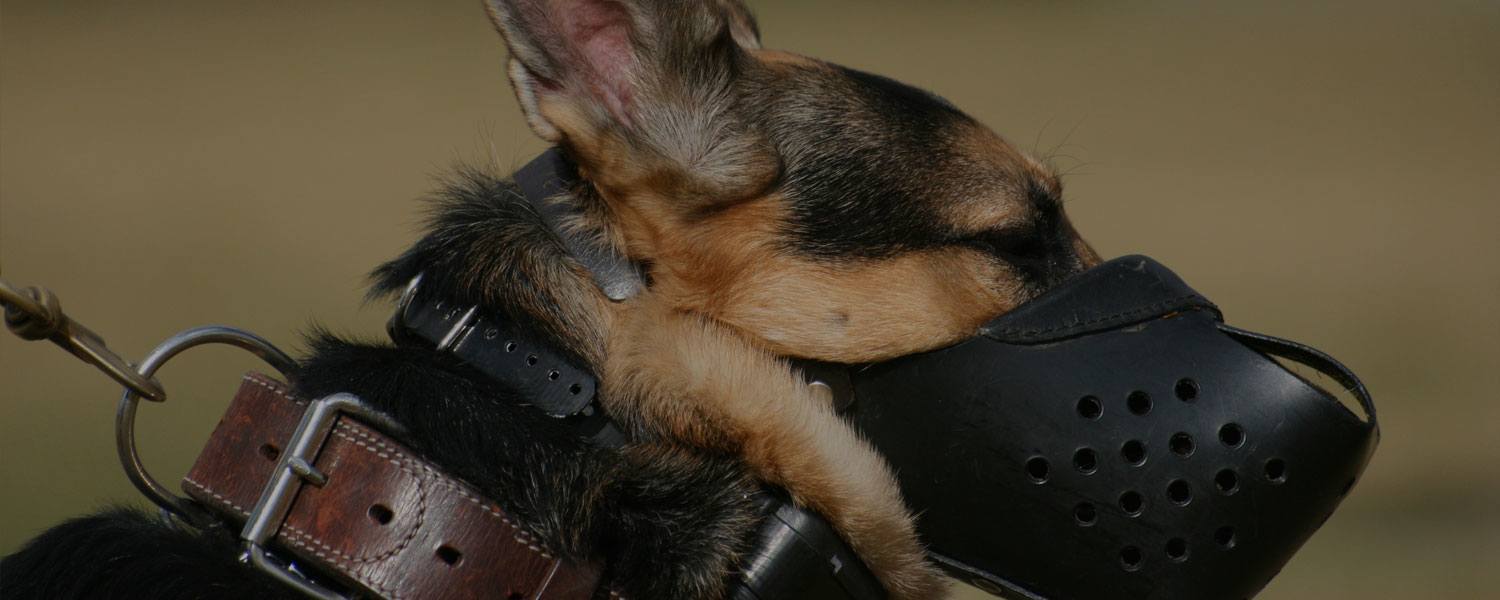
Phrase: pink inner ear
(598,32)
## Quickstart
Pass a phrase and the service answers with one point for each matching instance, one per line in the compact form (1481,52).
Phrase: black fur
(127,554)
(486,245)
(668,521)
(855,151)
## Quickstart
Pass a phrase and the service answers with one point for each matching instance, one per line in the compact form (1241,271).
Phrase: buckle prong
(307,472)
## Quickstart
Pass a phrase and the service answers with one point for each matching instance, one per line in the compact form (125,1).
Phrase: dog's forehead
(874,167)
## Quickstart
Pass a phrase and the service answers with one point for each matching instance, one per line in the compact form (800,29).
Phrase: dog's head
(824,212)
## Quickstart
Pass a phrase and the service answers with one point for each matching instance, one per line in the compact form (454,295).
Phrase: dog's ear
(741,23)
(638,88)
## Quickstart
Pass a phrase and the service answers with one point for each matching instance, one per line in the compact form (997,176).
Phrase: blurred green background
(1325,171)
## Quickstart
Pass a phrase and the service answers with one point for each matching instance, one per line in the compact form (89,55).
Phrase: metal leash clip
(34,313)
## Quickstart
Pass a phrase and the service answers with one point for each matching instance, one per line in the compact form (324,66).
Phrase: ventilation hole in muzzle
(553,375)
(381,514)
(1085,460)
(1085,514)
(1134,452)
(575,389)
(1132,503)
(270,451)
(1181,444)
(1227,481)
(1138,402)
(511,346)
(1090,408)
(1276,470)
(1177,549)
(1037,468)
(449,555)
(1179,492)
(1232,435)
(531,360)
(1130,558)
(1186,389)
(1225,538)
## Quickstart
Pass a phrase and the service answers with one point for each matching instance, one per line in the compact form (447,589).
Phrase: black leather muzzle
(1113,438)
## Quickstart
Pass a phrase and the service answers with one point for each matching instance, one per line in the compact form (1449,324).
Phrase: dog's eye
(1016,246)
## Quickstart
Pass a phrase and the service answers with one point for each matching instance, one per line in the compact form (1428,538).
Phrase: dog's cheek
(873,311)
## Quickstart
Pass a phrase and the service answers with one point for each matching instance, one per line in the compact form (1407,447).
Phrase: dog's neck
(489,244)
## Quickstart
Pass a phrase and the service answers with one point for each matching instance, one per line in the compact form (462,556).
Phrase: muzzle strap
(1124,291)
(1306,355)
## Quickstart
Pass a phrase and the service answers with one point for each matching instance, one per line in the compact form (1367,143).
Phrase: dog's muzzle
(1113,438)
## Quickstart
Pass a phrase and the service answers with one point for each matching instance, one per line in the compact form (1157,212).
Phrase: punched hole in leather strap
(387,521)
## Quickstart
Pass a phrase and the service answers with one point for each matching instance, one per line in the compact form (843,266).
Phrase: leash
(35,313)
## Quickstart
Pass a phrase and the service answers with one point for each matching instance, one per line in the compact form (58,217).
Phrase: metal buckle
(463,318)
(395,326)
(295,467)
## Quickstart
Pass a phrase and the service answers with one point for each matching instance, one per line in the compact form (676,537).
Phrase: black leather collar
(506,352)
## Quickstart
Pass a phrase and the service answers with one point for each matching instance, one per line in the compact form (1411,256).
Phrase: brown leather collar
(386,522)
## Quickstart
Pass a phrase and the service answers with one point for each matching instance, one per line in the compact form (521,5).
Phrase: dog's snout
(1058,265)
(1050,256)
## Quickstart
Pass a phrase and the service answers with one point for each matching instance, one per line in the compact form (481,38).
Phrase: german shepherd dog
(781,206)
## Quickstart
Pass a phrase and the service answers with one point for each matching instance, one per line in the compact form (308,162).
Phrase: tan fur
(686,378)
(865,311)
(783,57)
(1086,253)
(723,266)
(990,203)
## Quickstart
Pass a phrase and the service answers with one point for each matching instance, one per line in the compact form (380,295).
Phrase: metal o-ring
(125,413)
